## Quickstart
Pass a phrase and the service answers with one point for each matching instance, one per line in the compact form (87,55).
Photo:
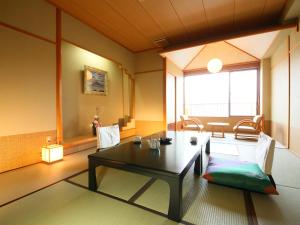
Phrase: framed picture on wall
(95,81)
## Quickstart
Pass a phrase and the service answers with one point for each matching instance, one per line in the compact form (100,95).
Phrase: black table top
(172,158)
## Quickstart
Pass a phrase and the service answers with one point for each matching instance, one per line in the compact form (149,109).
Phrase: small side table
(217,127)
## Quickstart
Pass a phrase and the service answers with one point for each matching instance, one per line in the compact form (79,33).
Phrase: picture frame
(95,81)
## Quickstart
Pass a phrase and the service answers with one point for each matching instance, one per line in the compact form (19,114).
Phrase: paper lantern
(214,65)
(52,153)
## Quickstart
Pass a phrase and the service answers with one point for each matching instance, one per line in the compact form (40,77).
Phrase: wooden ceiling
(136,24)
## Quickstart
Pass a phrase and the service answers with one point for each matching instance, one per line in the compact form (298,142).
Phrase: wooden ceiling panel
(192,15)
(273,9)
(248,12)
(114,21)
(219,13)
(136,16)
(163,13)
(136,24)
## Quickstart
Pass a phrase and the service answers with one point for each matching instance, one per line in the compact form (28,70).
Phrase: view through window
(222,94)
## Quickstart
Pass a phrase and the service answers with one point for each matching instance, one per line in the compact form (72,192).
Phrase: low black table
(170,163)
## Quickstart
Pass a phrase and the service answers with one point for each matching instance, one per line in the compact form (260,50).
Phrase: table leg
(92,176)
(175,204)
(198,165)
(212,131)
(207,148)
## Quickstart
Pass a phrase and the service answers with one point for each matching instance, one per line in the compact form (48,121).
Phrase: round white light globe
(214,65)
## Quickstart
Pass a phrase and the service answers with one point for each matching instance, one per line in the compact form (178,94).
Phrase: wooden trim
(194,57)
(59,127)
(241,50)
(26,32)
(123,96)
(148,49)
(132,108)
(258,111)
(251,215)
(165,93)
(291,23)
(150,71)
(184,112)
(226,68)
(142,190)
(289,91)
(175,111)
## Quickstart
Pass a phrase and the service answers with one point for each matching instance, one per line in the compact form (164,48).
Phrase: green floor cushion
(234,173)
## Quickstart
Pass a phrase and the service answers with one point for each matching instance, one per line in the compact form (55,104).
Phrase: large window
(222,94)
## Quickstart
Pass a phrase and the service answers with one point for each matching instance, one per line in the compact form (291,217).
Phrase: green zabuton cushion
(244,175)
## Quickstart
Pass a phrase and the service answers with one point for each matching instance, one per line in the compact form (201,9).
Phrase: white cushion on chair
(265,153)
(108,136)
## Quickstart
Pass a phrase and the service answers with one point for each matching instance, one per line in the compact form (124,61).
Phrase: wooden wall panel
(22,149)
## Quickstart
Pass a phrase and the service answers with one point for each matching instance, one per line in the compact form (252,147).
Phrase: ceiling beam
(233,34)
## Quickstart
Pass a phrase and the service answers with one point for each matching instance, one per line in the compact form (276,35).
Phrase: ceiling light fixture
(214,65)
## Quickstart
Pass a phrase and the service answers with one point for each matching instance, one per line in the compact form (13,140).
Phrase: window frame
(229,69)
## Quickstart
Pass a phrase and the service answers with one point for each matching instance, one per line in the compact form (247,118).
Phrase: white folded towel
(108,136)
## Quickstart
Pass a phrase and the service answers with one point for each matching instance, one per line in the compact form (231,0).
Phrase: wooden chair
(249,127)
(191,124)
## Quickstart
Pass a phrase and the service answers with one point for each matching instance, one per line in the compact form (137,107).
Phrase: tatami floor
(57,194)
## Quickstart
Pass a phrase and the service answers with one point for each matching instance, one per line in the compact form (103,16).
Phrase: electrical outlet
(48,139)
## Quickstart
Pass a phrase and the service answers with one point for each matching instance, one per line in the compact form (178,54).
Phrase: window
(222,94)
(207,95)
(243,93)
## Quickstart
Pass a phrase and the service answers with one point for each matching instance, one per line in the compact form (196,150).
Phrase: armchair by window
(249,127)
(191,124)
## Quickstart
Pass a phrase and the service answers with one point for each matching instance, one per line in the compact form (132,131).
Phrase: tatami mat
(278,210)
(67,204)
(203,203)
(118,183)
(19,182)
(286,168)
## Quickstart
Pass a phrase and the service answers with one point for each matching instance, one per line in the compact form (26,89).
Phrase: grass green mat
(278,210)
(67,204)
(115,182)
(203,203)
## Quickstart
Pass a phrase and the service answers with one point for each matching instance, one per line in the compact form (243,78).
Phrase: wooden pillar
(165,93)
(59,129)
